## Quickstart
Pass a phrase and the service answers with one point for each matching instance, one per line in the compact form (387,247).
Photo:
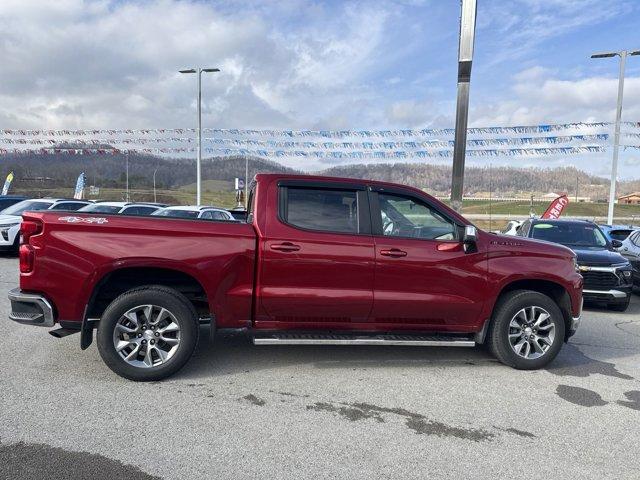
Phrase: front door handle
(393,252)
(285,247)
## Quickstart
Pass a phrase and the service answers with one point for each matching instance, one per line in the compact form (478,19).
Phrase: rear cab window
(327,207)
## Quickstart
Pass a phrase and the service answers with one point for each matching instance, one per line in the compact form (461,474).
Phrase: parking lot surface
(242,411)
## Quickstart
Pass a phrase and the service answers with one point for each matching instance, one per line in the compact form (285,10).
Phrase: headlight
(7,227)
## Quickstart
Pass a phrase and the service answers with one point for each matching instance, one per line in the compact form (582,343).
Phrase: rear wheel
(148,333)
(527,330)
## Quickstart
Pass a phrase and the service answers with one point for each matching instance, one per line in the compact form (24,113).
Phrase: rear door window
(321,209)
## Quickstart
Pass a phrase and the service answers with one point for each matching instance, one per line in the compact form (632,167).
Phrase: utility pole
(246,183)
(154,186)
(465,57)
(127,176)
(199,132)
(577,187)
(616,136)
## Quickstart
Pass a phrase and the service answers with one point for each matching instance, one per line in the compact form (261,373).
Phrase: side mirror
(470,235)
(616,243)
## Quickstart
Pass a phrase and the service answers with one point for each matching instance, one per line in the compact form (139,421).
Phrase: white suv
(194,211)
(122,208)
(11,217)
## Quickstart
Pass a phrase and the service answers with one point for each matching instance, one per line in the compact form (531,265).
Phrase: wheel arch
(556,291)
(120,280)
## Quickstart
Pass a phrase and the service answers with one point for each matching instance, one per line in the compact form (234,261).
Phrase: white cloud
(73,63)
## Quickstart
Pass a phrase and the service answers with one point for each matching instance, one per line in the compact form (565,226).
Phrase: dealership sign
(557,206)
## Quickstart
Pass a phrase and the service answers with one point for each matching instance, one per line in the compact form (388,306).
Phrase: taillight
(27,257)
(29,228)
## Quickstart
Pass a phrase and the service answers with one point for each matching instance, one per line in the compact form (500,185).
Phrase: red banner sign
(556,207)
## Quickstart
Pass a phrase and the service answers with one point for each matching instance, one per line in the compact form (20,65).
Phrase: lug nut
(139,335)
(144,342)
(157,334)
(152,342)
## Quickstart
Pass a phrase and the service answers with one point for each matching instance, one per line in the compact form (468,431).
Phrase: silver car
(631,250)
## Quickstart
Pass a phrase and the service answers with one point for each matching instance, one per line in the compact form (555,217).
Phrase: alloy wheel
(146,336)
(531,332)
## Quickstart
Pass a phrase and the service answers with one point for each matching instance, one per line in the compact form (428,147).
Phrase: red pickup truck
(318,261)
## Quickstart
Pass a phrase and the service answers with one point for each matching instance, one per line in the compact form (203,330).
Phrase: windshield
(97,208)
(26,205)
(570,234)
(176,213)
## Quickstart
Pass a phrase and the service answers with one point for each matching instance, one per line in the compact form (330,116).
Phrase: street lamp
(616,136)
(199,157)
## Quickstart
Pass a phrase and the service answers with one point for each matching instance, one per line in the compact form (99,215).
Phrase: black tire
(173,301)
(498,335)
(620,307)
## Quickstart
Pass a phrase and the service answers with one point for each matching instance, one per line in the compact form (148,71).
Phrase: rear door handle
(285,247)
(393,252)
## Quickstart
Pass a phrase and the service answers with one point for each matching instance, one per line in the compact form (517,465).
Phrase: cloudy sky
(305,64)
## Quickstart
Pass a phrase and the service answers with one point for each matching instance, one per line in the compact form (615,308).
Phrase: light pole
(465,59)
(199,157)
(127,175)
(154,186)
(616,136)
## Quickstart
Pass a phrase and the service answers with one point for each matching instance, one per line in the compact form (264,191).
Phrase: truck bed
(82,250)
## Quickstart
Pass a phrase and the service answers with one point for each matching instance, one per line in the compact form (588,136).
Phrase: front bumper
(30,309)
(615,295)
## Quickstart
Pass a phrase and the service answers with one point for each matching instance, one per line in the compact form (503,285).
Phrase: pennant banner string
(323,133)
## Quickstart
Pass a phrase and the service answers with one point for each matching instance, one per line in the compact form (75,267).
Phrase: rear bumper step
(346,339)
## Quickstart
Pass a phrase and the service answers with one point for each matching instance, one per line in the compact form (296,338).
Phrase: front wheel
(527,330)
(148,333)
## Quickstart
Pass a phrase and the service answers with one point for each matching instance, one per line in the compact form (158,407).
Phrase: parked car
(194,211)
(8,200)
(122,208)
(511,228)
(238,214)
(11,217)
(320,261)
(630,249)
(607,274)
(616,232)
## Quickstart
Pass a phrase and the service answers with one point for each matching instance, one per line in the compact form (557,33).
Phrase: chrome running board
(346,339)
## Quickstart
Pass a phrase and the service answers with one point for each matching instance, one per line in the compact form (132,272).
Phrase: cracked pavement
(243,411)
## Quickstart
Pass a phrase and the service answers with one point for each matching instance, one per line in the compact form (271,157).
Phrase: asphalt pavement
(242,411)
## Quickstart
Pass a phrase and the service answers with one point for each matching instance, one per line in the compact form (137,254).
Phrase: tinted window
(620,234)
(176,213)
(571,234)
(320,209)
(68,206)
(5,202)
(100,208)
(25,206)
(220,216)
(636,239)
(407,217)
(138,210)
(208,215)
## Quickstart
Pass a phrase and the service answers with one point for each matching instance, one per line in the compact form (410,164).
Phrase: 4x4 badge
(99,220)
